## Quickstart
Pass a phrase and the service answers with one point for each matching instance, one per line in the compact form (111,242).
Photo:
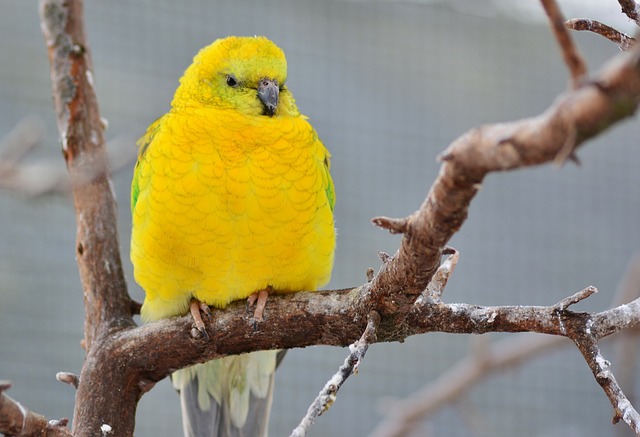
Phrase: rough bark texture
(106,301)
(624,42)
(17,420)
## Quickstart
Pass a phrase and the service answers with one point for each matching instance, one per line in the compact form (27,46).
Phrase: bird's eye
(232,81)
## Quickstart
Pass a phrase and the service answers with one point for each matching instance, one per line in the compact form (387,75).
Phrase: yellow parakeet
(231,198)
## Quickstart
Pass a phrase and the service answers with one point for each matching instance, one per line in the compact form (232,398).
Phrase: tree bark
(106,301)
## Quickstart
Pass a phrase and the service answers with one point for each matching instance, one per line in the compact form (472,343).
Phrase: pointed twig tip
(59,423)
(68,378)
(393,225)
(4,385)
(370,274)
(580,295)
(384,257)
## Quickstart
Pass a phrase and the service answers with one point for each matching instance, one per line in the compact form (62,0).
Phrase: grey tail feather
(216,422)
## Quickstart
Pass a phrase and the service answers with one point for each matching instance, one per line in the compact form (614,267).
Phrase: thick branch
(616,319)
(576,116)
(107,303)
(105,293)
(402,416)
(331,318)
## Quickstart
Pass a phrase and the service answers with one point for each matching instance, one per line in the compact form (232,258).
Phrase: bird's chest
(226,194)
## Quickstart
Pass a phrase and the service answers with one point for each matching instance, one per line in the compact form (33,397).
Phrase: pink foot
(260,299)
(195,307)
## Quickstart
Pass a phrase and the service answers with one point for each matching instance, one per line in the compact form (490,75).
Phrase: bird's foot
(196,308)
(260,299)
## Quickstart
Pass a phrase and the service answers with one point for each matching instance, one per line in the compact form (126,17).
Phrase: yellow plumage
(229,203)
(230,196)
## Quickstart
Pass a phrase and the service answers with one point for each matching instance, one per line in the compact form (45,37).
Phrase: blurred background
(388,85)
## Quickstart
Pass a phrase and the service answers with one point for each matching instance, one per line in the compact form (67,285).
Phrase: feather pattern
(230,195)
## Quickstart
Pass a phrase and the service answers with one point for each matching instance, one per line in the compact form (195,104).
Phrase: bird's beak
(268,93)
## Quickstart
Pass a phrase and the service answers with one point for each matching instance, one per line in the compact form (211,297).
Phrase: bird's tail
(228,397)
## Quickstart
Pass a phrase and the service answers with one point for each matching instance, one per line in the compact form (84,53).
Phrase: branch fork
(388,303)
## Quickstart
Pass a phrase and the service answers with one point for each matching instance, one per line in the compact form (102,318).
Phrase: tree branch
(402,416)
(106,301)
(601,369)
(107,304)
(627,343)
(329,392)
(331,318)
(624,42)
(631,9)
(46,177)
(16,420)
(570,52)
(575,117)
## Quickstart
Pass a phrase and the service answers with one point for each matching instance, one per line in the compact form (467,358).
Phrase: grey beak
(268,93)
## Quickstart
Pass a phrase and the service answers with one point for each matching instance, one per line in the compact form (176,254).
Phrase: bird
(231,198)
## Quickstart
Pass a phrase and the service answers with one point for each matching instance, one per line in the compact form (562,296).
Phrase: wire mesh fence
(387,85)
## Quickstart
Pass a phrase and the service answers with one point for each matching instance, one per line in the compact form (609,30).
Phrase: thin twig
(351,364)
(624,42)
(48,176)
(439,281)
(570,52)
(601,369)
(25,135)
(568,148)
(631,9)
(626,346)
(393,225)
(403,416)
(580,295)
(68,378)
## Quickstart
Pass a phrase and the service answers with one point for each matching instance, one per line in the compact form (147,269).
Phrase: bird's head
(246,74)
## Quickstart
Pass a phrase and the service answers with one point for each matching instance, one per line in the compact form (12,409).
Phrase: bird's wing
(143,144)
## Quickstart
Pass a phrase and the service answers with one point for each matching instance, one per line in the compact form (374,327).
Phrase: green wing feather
(143,144)
(329,189)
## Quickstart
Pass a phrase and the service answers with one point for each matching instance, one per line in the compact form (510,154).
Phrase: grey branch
(351,364)
(402,416)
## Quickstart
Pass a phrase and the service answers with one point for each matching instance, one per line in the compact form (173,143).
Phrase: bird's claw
(196,308)
(260,299)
